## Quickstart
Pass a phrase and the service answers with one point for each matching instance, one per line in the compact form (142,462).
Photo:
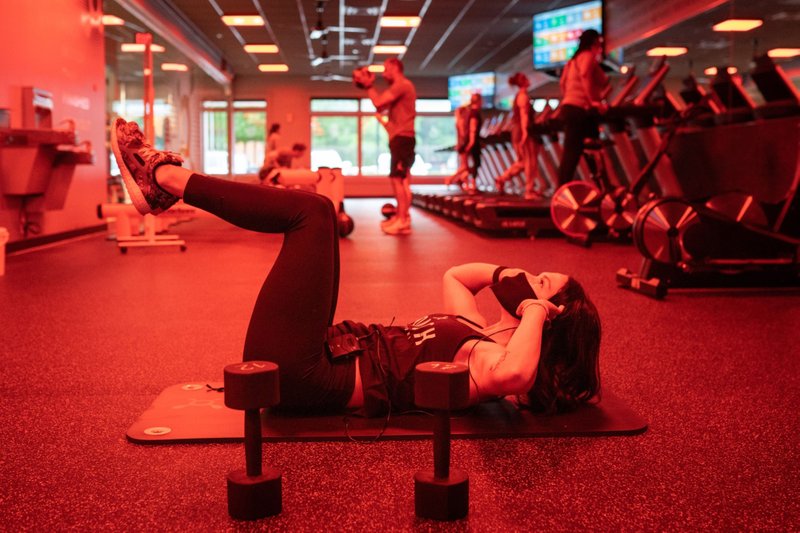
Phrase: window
(334,143)
(215,137)
(434,133)
(374,147)
(345,133)
(249,136)
(249,125)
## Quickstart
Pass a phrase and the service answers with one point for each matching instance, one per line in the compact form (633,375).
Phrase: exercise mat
(196,413)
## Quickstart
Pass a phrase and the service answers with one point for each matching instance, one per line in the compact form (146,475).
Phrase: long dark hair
(569,370)
(586,41)
(518,79)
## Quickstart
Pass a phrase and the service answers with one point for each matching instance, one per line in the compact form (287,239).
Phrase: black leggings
(297,301)
(579,124)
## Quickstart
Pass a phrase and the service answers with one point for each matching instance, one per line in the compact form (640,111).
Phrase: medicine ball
(346,224)
(388,210)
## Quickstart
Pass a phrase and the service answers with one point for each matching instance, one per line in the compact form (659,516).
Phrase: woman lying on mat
(544,349)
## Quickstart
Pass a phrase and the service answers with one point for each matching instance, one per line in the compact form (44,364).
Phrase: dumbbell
(253,492)
(441,493)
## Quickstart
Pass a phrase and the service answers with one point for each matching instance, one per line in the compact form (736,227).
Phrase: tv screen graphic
(504,93)
(460,88)
(556,32)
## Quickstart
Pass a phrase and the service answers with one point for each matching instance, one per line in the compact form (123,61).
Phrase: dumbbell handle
(252,441)
(441,444)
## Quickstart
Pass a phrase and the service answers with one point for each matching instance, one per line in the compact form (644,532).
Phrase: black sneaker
(138,161)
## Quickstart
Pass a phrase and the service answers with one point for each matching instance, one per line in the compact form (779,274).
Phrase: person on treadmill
(469,147)
(526,147)
(544,349)
(583,84)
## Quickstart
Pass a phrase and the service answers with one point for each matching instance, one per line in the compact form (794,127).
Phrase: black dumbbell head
(441,386)
(251,385)
(441,499)
(254,497)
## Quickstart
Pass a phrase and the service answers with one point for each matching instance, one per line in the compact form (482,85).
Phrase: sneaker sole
(134,191)
(403,231)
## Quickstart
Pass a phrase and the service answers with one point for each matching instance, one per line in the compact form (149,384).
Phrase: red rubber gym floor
(90,337)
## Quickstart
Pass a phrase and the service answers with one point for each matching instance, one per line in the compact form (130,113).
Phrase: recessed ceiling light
(669,51)
(273,67)
(137,47)
(243,20)
(784,52)
(712,71)
(390,49)
(261,48)
(400,22)
(177,67)
(111,20)
(737,25)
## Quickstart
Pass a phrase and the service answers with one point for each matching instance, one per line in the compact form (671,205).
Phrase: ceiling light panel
(243,20)
(273,67)
(136,47)
(400,22)
(111,20)
(737,25)
(669,51)
(389,49)
(175,67)
(261,48)
(783,52)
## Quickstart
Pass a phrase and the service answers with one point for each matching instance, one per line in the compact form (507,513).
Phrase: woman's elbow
(514,382)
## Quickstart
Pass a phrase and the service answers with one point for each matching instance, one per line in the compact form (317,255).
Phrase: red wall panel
(57,45)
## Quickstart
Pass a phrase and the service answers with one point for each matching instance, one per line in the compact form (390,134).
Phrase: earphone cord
(384,381)
(469,355)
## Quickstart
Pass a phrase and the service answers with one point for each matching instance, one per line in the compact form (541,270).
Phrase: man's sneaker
(137,162)
(398,228)
(388,222)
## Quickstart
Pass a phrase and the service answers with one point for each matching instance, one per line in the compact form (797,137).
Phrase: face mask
(511,291)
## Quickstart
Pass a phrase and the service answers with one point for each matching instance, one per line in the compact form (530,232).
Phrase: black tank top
(393,352)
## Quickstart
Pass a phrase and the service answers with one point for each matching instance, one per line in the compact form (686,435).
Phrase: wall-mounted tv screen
(460,88)
(556,32)
(504,93)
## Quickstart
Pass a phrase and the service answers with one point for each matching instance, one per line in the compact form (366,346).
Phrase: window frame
(361,113)
(230,107)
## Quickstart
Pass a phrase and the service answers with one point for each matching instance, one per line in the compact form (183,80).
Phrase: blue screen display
(556,33)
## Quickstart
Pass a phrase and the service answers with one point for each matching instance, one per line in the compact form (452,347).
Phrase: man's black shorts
(402,151)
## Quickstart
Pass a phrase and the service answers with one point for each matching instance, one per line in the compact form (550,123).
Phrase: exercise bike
(583,210)
(729,239)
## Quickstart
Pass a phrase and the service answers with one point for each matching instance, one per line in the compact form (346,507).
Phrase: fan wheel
(618,210)
(574,208)
(660,228)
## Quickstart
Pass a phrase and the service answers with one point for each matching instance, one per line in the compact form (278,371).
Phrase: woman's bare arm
(504,370)
(460,284)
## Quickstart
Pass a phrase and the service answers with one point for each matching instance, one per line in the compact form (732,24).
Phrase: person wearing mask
(544,349)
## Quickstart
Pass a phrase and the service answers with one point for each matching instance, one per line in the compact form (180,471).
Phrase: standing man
(399,104)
